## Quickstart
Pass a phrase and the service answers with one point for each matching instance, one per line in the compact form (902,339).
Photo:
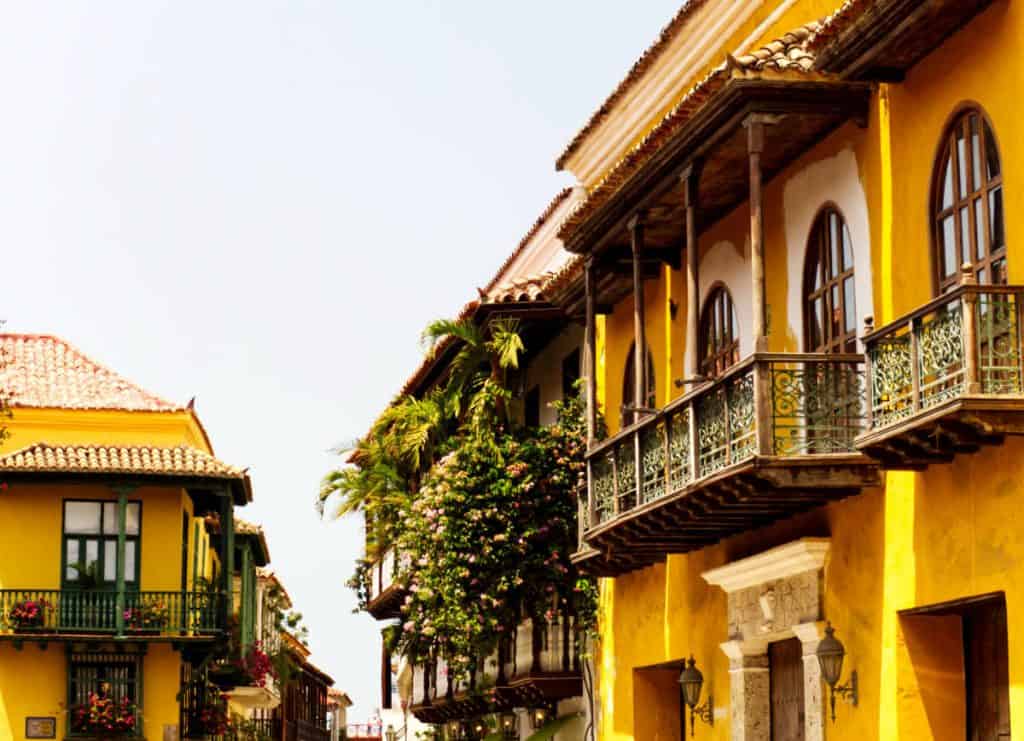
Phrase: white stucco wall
(545,370)
(833,180)
(724,263)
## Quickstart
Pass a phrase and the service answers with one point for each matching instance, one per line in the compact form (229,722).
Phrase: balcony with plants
(947,378)
(494,615)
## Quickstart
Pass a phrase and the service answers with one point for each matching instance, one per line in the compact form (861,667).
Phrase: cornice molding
(798,557)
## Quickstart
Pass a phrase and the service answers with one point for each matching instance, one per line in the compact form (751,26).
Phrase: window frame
(818,263)
(960,119)
(106,659)
(722,350)
(131,584)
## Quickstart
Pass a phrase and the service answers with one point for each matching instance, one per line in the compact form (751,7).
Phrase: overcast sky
(261,204)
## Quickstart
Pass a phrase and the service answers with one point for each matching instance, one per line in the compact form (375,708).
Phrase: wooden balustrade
(77,611)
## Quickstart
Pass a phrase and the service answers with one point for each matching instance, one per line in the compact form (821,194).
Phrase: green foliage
(489,539)
(482,511)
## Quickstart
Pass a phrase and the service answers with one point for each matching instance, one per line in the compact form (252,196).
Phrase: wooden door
(785,660)
(986,662)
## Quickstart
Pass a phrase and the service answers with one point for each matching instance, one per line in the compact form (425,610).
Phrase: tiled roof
(264,572)
(787,54)
(244,527)
(525,241)
(180,461)
(521,290)
(838,21)
(635,73)
(46,371)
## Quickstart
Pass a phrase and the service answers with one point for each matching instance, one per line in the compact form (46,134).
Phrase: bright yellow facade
(35,662)
(922,538)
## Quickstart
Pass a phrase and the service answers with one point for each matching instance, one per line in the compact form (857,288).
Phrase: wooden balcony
(75,614)
(385,593)
(946,379)
(536,666)
(771,438)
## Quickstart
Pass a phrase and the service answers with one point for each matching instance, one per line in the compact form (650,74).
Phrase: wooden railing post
(694,447)
(869,393)
(915,365)
(969,320)
(763,413)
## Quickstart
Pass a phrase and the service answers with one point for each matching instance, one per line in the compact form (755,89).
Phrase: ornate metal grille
(817,406)
(679,450)
(652,455)
(941,359)
(999,356)
(602,487)
(109,676)
(625,469)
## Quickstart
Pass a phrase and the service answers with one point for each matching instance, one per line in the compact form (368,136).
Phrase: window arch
(967,203)
(629,385)
(719,333)
(830,306)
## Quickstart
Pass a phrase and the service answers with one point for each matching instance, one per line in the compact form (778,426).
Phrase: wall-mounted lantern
(540,715)
(692,681)
(509,724)
(830,658)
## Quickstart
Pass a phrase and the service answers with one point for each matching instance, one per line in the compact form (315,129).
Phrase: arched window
(629,385)
(719,333)
(830,309)
(967,203)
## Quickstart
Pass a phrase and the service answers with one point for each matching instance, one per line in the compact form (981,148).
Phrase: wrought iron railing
(72,611)
(770,404)
(964,343)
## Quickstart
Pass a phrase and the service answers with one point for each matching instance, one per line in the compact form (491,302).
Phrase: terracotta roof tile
(838,21)
(46,371)
(653,52)
(787,54)
(179,461)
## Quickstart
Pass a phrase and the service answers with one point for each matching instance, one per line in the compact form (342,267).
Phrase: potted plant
(29,615)
(102,715)
(148,617)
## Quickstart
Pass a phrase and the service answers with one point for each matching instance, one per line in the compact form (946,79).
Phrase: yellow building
(113,580)
(822,429)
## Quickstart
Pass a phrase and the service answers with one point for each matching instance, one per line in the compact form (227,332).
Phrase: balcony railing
(385,593)
(944,377)
(780,411)
(75,612)
(537,663)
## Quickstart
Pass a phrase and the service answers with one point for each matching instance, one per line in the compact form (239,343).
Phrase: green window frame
(113,677)
(89,536)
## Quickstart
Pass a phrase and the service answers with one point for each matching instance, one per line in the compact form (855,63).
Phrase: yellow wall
(921,539)
(34,681)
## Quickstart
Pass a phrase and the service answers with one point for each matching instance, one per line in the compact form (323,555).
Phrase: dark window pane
(947,185)
(999,272)
(847,249)
(975,154)
(833,243)
(816,328)
(995,219)
(948,247)
(961,160)
(850,305)
(979,229)
(965,230)
(991,155)
(836,311)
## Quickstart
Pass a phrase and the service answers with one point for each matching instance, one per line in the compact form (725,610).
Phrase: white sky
(261,204)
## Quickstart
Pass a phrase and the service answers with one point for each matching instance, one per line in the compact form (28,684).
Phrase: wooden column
(636,237)
(969,320)
(690,177)
(590,347)
(227,560)
(755,146)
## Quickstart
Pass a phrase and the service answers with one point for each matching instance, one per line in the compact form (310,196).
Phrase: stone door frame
(773,596)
